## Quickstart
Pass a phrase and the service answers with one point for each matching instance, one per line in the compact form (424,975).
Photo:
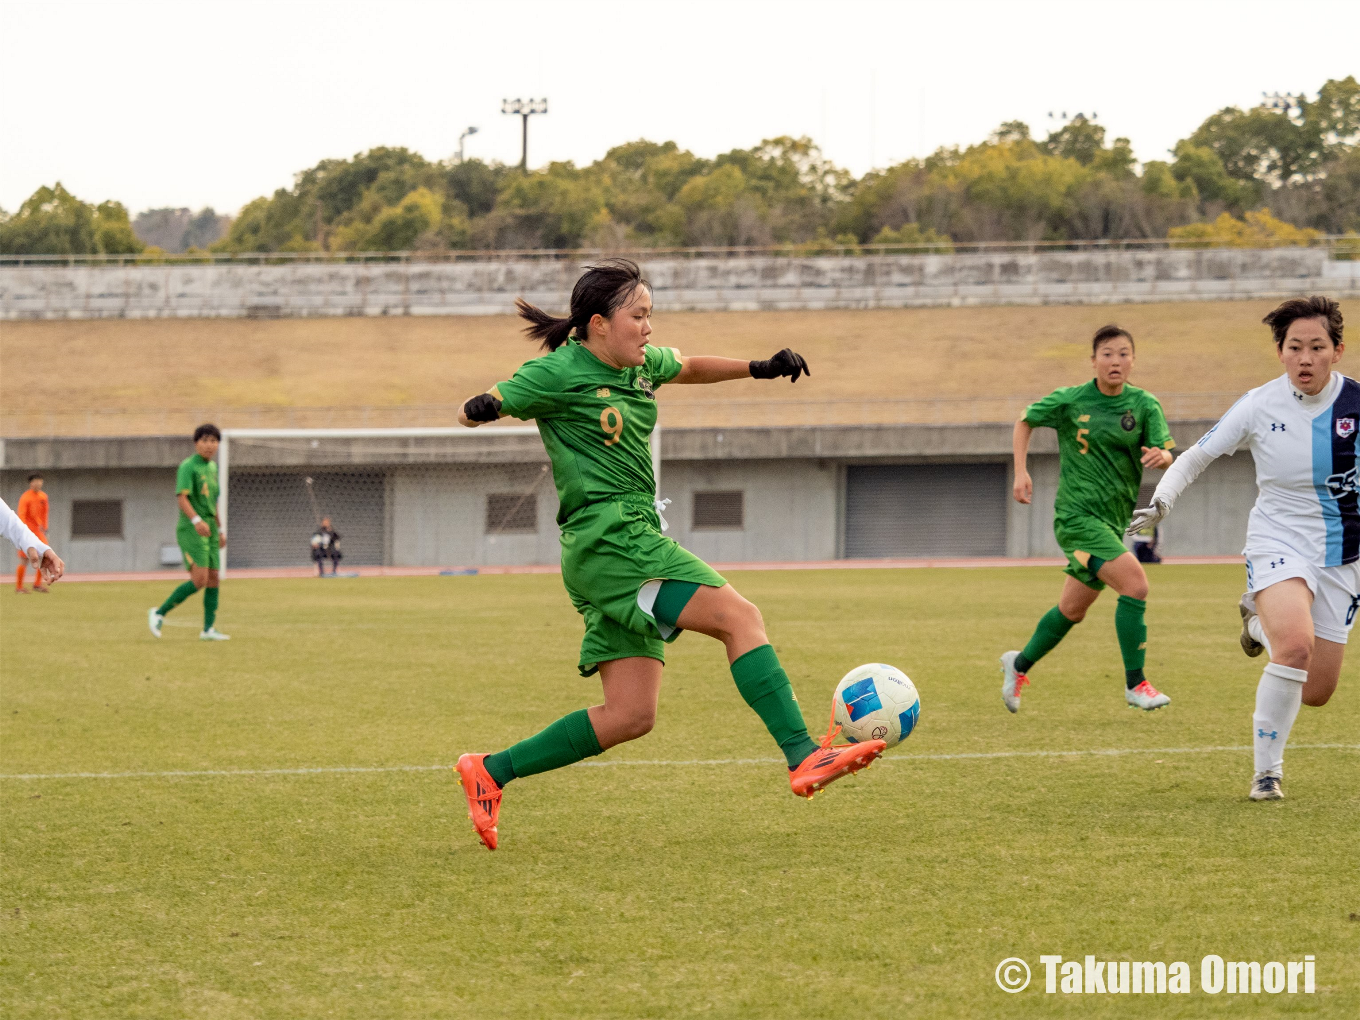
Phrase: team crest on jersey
(1345,427)
(645,385)
(1128,423)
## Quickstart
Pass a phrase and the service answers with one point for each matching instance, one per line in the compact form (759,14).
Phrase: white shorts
(1336,590)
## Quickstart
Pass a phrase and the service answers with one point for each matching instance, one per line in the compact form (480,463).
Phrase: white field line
(900,758)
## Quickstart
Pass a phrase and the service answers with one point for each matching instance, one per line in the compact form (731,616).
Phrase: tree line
(1281,172)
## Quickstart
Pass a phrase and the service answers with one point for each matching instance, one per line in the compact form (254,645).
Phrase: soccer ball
(876,702)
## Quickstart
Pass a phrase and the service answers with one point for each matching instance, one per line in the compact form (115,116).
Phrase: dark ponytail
(601,290)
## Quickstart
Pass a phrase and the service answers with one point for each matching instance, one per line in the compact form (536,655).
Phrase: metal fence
(1337,246)
(674,414)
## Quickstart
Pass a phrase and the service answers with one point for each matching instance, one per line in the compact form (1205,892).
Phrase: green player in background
(1108,431)
(594,399)
(200,539)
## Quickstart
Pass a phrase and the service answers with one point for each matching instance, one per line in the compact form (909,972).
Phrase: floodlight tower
(525,108)
(466,132)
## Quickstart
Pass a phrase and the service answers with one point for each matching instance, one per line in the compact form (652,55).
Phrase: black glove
(483,407)
(783,363)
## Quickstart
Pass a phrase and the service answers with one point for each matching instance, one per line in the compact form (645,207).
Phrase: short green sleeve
(1156,432)
(184,477)
(534,391)
(662,364)
(1047,413)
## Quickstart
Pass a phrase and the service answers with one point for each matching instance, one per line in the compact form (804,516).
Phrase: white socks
(1278,697)
(1257,632)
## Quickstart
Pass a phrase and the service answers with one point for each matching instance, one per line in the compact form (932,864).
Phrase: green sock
(765,687)
(1132,630)
(565,742)
(209,607)
(177,596)
(1053,627)
(501,768)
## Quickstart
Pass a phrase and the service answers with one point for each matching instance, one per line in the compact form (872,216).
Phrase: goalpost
(436,496)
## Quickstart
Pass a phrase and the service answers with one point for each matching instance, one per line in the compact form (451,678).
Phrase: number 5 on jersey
(611,420)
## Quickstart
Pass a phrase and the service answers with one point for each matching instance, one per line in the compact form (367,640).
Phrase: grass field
(656,883)
(141,367)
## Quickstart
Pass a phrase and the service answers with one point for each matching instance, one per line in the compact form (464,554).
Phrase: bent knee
(639,724)
(740,616)
(1138,591)
(750,614)
(1073,615)
(1296,652)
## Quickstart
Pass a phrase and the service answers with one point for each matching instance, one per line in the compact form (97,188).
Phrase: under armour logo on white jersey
(1272,734)
(1277,426)
(1277,563)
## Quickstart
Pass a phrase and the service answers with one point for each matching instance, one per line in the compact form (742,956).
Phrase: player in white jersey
(1303,536)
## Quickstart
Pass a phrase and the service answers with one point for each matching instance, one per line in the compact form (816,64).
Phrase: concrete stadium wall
(699,284)
(149,515)
(434,491)
(1210,517)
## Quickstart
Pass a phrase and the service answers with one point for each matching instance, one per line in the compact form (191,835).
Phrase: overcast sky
(206,103)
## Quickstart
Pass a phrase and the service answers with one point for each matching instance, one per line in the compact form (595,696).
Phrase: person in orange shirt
(33,512)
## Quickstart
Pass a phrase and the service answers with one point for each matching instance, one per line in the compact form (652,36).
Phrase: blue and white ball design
(876,702)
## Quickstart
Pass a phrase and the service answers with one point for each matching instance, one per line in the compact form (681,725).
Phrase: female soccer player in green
(1108,431)
(593,397)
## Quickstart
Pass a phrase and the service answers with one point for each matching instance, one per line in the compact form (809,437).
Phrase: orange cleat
(824,766)
(483,796)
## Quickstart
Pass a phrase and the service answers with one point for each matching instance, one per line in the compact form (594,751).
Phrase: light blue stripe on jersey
(1322,469)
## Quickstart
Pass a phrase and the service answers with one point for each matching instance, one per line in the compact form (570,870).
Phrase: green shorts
(610,551)
(1084,537)
(198,550)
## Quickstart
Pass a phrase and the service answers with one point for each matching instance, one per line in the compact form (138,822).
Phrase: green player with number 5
(593,397)
(1108,432)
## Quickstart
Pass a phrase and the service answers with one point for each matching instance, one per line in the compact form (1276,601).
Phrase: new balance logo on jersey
(1277,426)
(1273,734)
(1343,482)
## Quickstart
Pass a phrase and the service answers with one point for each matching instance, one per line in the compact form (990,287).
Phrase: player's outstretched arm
(476,410)
(1233,432)
(40,555)
(1187,467)
(712,370)
(1024,485)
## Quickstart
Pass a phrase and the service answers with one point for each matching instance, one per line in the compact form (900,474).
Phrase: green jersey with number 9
(595,420)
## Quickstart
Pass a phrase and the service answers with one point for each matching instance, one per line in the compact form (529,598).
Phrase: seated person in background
(324,547)
(1147,545)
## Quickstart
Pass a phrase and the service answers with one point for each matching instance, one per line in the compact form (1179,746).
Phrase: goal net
(433,497)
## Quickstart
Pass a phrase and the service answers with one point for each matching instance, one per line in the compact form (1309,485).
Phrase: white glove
(1149,516)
